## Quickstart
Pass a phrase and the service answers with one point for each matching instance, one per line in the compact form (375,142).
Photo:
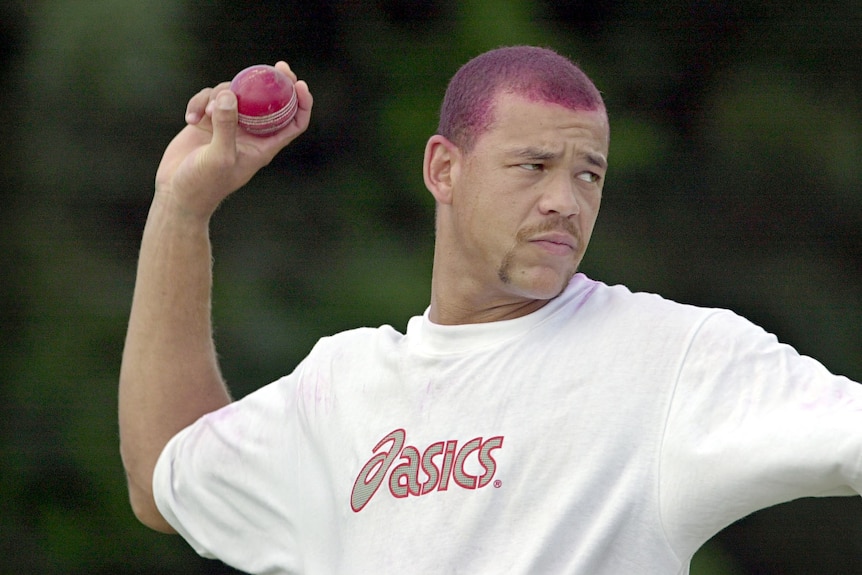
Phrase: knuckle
(224,162)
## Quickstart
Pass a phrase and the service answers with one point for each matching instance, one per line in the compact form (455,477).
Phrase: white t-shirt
(608,433)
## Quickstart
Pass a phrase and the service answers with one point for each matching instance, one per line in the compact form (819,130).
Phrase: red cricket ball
(266,99)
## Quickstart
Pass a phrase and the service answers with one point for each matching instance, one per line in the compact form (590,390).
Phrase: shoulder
(618,303)
(361,336)
(359,344)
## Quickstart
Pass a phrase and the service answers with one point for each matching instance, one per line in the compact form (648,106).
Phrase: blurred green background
(736,181)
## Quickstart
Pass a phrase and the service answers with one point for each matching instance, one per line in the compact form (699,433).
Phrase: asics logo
(440,463)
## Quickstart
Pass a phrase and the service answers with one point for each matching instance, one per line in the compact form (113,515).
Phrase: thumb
(224,118)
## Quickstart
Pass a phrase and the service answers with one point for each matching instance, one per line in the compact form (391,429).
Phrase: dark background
(735,181)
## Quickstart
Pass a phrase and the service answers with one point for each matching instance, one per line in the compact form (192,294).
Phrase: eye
(532,167)
(588,177)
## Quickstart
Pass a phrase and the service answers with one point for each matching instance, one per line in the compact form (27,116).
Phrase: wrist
(172,207)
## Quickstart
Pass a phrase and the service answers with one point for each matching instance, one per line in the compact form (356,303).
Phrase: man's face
(527,195)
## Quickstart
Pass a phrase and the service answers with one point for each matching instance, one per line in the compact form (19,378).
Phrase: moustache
(551,224)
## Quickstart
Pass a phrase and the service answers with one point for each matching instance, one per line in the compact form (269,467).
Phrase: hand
(212,157)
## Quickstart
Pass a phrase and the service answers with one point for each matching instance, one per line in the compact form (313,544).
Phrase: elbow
(144,507)
(149,515)
(139,482)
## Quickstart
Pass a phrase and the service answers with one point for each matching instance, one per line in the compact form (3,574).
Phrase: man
(531,421)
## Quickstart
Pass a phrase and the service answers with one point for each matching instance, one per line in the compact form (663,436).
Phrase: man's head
(537,74)
(517,170)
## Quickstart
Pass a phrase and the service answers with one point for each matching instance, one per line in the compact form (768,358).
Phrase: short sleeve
(753,423)
(225,483)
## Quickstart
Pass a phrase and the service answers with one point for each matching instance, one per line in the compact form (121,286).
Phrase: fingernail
(192,117)
(224,101)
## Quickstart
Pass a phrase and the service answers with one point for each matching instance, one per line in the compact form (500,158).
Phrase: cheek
(492,209)
(588,218)
(488,211)
(504,219)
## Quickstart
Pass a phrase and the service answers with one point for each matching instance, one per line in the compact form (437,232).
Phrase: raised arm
(170,375)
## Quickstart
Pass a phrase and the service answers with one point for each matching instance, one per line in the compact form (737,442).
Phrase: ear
(441,167)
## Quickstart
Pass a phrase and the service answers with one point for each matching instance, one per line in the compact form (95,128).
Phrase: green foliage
(713,560)
(735,181)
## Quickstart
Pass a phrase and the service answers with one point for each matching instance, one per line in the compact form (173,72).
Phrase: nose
(560,197)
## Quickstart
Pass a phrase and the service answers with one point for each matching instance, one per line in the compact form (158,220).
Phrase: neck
(457,299)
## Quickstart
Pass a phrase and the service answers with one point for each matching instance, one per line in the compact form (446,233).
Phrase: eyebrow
(597,159)
(534,153)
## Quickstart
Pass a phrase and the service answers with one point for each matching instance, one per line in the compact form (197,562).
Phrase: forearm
(169,375)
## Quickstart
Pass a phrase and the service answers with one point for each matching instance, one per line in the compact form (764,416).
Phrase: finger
(304,103)
(196,106)
(282,66)
(213,94)
(224,116)
(273,144)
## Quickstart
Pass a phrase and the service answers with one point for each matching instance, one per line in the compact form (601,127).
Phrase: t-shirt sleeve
(752,424)
(223,485)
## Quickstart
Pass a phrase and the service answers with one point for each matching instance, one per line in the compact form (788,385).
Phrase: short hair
(538,74)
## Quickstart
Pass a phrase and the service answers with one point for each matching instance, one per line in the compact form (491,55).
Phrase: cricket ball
(266,99)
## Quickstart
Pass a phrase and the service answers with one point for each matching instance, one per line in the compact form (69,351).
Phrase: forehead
(521,121)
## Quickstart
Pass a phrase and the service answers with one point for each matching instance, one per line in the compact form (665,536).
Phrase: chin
(539,286)
(547,293)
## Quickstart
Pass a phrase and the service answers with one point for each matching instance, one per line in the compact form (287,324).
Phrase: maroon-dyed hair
(538,74)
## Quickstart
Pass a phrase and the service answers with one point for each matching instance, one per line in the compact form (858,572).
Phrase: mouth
(556,243)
